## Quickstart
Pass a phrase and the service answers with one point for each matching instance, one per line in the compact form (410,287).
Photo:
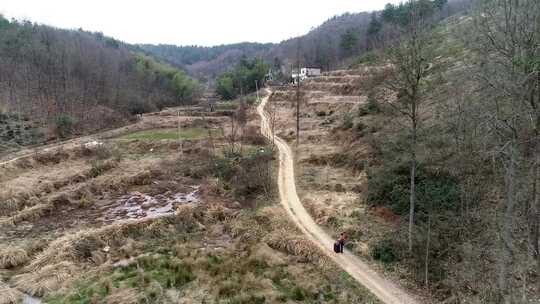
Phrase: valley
(385,156)
(106,206)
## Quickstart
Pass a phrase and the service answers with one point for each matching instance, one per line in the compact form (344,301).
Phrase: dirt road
(385,290)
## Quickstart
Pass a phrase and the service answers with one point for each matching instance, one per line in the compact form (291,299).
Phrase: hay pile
(287,95)
(47,279)
(30,214)
(9,295)
(217,213)
(11,256)
(123,296)
(79,246)
(8,206)
(248,230)
(298,246)
(55,267)
(51,157)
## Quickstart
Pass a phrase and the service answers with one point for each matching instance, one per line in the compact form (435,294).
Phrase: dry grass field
(142,217)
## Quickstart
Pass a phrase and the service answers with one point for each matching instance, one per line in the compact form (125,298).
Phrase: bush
(391,188)
(64,125)
(249,100)
(247,175)
(372,107)
(360,127)
(383,251)
(298,294)
(242,78)
(348,158)
(367,58)
(348,122)
(248,299)
(98,167)
(225,88)
(253,136)
(137,106)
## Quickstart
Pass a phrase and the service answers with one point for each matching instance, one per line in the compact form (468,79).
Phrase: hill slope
(330,45)
(78,81)
(205,62)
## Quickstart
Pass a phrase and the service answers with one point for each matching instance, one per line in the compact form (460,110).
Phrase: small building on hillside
(270,75)
(305,73)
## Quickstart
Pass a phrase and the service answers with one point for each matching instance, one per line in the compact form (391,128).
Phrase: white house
(305,73)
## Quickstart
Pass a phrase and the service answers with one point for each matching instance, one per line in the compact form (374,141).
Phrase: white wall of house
(305,73)
(310,72)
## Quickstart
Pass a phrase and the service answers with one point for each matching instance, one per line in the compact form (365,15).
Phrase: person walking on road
(340,243)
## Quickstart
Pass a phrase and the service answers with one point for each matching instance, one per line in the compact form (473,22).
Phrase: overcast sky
(183,22)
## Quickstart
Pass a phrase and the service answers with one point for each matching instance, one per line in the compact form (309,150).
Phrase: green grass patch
(172,134)
(149,276)
(287,288)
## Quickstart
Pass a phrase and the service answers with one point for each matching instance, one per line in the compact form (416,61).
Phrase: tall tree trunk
(426,266)
(534,212)
(536,203)
(508,224)
(412,198)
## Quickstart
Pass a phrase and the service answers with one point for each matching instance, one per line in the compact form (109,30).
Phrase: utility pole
(179,137)
(298,94)
(257,89)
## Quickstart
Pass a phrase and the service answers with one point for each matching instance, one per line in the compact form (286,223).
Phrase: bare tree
(271,110)
(411,58)
(508,45)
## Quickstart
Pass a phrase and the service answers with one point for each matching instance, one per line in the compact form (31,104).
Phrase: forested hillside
(460,162)
(335,43)
(75,81)
(206,62)
(244,78)
(331,45)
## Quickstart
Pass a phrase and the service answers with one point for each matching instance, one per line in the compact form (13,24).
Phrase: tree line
(49,74)
(467,155)
(243,78)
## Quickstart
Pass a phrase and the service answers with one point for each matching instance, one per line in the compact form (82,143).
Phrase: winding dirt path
(385,290)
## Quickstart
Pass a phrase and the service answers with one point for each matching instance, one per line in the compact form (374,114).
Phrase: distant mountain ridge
(205,62)
(208,62)
(321,46)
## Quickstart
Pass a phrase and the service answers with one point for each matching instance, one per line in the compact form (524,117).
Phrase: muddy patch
(27,299)
(137,205)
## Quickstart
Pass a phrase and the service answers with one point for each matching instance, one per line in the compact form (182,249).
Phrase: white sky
(182,22)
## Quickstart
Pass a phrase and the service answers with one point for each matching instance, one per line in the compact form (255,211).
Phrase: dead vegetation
(296,246)
(9,295)
(51,157)
(225,246)
(11,256)
(334,155)
(46,279)
(123,296)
